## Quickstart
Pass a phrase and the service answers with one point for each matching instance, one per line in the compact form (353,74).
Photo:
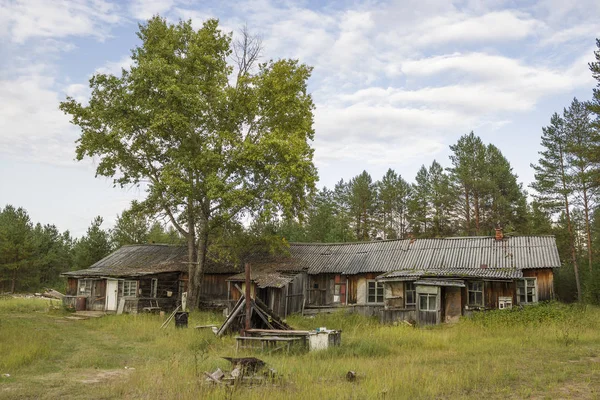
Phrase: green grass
(547,351)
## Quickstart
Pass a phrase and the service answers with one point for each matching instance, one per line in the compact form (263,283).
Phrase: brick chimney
(499,233)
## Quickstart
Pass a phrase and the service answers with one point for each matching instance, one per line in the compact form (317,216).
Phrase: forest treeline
(33,255)
(470,194)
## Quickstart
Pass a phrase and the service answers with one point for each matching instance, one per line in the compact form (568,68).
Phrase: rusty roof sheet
(488,273)
(146,259)
(468,256)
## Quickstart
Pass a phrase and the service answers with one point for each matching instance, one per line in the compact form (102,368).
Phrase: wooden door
(112,288)
(428,305)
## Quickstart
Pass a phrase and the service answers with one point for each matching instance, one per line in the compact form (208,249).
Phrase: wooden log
(231,317)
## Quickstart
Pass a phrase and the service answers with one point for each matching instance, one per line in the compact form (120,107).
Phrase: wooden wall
(167,282)
(71,287)
(545,282)
(318,290)
(214,287)
(296,293)
(97,300)
(494,289)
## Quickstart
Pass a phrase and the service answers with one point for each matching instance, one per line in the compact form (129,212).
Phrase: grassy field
(549,351)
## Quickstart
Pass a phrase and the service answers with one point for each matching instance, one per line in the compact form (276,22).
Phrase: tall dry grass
(531,352)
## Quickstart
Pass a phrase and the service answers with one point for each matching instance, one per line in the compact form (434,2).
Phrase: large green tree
(363,203)
(93,246)
(17,245)
(582,143)
(468,172)
(552,182)
(210,139)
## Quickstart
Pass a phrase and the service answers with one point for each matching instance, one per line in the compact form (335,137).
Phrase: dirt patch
(87,376)
(102,375)
(576,390)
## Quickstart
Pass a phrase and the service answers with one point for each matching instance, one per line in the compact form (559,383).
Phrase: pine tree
(582,143)
(552,182)
(504,201)
(419,213)
(468,173)
(17,245)
(363,197)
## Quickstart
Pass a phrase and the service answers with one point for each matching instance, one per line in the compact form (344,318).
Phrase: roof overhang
(440,282)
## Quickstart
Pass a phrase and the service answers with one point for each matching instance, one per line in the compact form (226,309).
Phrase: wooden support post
(248,302)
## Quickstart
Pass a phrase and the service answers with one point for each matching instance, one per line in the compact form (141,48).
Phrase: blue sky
(394,83)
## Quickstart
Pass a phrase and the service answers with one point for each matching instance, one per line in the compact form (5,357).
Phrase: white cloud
(57,19)
(464,28)
(146,9)
(115,67)
(31,125)
(503,72)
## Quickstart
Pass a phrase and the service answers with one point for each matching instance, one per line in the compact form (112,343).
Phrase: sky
(395,83)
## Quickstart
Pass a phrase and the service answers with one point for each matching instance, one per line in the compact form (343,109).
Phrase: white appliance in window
(504,302)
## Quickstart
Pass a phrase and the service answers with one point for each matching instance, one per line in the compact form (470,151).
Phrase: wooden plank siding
(494,289)
(214,287)
(71,287)
(545,282)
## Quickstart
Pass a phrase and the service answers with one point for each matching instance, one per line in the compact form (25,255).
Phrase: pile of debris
(246,371)
(262,317)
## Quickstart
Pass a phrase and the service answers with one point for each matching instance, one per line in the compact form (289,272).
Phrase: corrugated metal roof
(489,273)
(462,256)
(146,259)
(264,279)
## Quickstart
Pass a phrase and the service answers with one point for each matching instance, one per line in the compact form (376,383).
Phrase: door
(112,288)
(428,305)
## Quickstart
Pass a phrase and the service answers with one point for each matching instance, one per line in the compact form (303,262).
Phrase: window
(130,288)
(427,302)
(153,287)
(374,292)
(526,290)
(475,290)
(410,294)
(84,287)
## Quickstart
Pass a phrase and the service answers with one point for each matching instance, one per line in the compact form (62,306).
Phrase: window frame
(378,287)
(414,294)
(429,296)
(84,287)
(471,290)
(127,288)
(526,286)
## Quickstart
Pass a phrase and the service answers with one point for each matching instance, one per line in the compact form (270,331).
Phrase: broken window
(526,290)
(84,287)
(428,302)
(130,288)
(475,290)
(374,292)
(410,294)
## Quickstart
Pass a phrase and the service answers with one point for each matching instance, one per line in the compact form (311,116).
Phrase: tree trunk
(467,211)
(573,254)
(202,249)
(193,294)
(14,281)
(476,201)
(587,227)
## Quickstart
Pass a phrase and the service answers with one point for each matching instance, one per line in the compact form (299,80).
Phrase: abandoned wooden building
(428,281)
(280,286)
(138,277)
